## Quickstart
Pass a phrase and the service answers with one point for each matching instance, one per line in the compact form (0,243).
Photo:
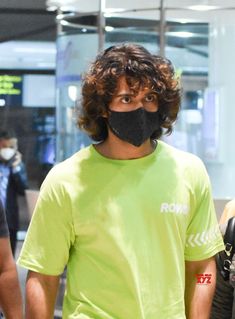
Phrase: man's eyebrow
(125,94)
(151,92)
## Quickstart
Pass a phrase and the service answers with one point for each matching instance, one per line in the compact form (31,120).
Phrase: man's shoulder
(81,155)
(71,165)
(179,156)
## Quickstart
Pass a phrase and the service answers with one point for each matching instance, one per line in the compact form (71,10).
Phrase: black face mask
(134,127)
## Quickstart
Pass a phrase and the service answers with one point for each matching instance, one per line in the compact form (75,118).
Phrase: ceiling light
(183,21)
(52,8)
(59,16)
(108,28)
(67,8)
(73,92)
(114,10)
(183,34)
(203,7)
(64,22)
(108,15)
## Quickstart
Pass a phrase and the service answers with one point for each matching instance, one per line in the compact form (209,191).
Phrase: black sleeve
(3,224)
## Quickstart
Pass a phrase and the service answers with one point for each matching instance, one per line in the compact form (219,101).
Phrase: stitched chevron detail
(203,238)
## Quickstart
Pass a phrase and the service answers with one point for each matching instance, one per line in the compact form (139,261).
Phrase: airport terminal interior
(46,46)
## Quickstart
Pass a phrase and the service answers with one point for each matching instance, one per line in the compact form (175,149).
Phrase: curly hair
(140,69)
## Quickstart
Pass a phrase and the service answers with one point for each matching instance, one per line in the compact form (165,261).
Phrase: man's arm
(10,295)
(198,296)
(41,292)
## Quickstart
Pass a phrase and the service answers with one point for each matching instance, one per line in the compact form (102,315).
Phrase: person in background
(223,305)
(131,217)
(13,181)
(10,295)
(228,212)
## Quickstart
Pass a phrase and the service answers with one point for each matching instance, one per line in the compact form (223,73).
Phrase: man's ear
(105,114)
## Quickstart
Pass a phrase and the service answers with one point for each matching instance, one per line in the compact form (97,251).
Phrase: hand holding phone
(16,160)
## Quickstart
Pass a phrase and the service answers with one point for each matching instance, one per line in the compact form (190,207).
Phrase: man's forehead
(133,84)
(11,142)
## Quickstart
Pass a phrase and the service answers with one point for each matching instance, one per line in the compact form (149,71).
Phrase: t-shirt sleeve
(3,224)
(203,238)
(51,232)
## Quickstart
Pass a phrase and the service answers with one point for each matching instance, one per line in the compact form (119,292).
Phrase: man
(10,295)
(131,217)
(13,181)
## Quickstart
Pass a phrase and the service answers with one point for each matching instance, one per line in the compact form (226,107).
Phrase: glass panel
(75,51)
(187,48)
(202,51)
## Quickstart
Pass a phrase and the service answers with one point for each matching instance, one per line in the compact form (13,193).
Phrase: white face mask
(7,153)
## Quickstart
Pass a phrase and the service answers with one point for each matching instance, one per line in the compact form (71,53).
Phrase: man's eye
(126,99)
(150,98)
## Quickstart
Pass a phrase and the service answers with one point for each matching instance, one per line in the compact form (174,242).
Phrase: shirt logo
(174,208)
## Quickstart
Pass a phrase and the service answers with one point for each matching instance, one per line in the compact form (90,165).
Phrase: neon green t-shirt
(124,228)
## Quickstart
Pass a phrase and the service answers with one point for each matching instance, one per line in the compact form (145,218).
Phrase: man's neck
(115,148)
